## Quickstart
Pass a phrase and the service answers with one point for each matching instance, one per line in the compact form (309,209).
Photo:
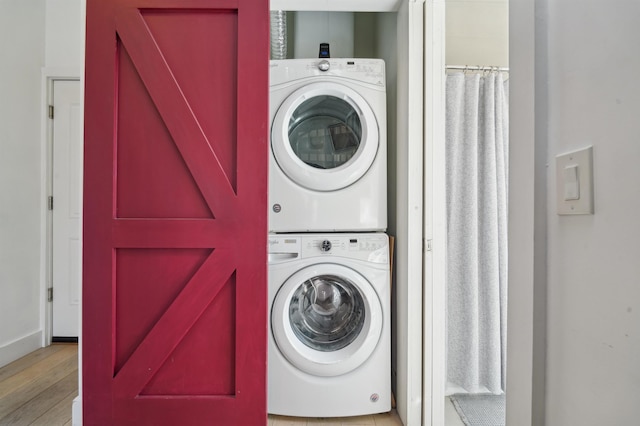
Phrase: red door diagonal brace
(176,112)
(174,324)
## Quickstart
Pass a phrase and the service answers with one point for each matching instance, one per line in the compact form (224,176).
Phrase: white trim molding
(435,216)
(20,347)
(409,211)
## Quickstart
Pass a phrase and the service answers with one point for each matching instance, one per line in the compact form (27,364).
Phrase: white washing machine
(328,162)
(329,341)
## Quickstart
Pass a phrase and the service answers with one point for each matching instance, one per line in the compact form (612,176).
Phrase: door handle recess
(281,257)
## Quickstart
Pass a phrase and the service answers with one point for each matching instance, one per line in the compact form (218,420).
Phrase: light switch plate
(569,165)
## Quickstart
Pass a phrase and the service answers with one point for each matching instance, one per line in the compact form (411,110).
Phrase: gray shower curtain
(477,130)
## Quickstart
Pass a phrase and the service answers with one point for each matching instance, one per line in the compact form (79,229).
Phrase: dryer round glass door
(324,136)
(326,319)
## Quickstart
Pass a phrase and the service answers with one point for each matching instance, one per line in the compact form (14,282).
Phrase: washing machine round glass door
(324,136)
(326,319)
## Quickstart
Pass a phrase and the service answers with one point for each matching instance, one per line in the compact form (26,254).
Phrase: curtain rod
(476,68)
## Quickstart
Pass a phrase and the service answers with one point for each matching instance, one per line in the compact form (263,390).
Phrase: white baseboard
(76,412)
(20,347)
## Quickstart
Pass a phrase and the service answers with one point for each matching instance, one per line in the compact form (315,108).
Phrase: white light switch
(571,183)
(574,182)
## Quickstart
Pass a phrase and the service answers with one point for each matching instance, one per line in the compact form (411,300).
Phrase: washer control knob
(324,65)
(325,246)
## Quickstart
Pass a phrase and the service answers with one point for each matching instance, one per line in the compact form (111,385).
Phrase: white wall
(593,308)
(22,45)
(65,34)
(477,32)
(34,35)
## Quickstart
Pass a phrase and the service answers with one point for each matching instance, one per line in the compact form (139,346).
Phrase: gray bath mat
(480,410)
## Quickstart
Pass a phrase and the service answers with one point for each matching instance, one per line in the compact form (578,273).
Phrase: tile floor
(385,419)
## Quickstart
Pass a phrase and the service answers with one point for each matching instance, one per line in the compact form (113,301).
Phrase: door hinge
(50,294)
(51,112)
(50,202)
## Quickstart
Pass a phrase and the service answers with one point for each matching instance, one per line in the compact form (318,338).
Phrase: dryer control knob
(324,65)
(325,246)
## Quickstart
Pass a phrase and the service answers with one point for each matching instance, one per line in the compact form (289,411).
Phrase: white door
(67,207)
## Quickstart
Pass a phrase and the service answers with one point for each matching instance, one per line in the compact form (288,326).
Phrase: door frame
(48,76)
(526,333)
(525,404)
(435,217)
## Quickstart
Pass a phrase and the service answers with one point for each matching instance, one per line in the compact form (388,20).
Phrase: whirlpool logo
(275,241)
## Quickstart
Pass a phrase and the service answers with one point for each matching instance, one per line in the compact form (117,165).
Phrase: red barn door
(174,284)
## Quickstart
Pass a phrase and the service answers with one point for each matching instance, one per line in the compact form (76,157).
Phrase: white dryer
(329,341)
(328,162)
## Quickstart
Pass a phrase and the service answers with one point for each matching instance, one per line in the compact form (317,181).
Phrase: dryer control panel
(366,71)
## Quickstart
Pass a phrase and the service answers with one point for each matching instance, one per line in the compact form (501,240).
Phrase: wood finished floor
(39,388)
(387,419)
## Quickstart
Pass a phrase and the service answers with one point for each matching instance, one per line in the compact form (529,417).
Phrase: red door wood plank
(174,281)
(160,233)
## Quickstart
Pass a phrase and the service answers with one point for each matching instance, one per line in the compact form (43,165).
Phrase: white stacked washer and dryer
(329,284)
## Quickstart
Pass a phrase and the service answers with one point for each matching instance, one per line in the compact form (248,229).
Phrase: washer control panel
(371,247)
(367,247)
